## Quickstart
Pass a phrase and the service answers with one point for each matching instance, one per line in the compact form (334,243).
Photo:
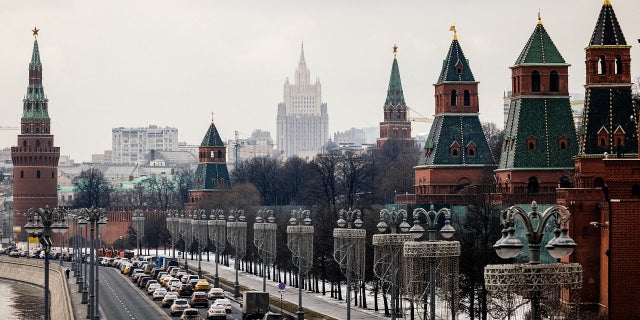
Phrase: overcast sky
(171,63)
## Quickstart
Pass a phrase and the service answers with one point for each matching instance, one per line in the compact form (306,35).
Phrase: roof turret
(540,49)
(455,66)
(395,96)
(607,31)
(212,138)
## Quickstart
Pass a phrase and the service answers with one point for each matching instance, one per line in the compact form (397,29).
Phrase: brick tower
(456,153)
(212,174)
(35,159)
(396,125)
(606,200)
(540,138)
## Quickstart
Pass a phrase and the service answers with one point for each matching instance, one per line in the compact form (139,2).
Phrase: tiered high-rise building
(303,122)
(35,158)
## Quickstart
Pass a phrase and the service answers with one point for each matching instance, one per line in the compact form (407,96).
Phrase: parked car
(190,314)
(215,293)
(216,312)
(225,303)
(178,306)
(199,299)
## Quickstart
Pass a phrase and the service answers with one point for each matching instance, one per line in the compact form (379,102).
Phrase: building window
(459,67)
(467,98)
(618,65)
(21,173)
(635,190)
(533,186)
(472,149)
(535,81)
(38,174)
(603,137)
(454,149)
(454,98)
(563,143)
(37,143)
(531,143)
(220,154)
(554,81)
(602,65)
(52,175)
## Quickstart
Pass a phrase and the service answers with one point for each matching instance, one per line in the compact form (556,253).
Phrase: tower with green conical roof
(456,152)
(35,158)
(540,138)
(396,125)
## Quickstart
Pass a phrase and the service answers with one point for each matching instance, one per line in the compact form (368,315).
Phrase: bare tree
(92,190)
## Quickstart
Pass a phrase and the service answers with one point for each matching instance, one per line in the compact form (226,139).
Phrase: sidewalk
(79,309)
(310,300)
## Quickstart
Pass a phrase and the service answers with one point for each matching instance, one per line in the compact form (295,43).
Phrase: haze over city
(131,64)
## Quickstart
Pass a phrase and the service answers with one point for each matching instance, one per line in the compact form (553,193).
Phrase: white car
(216,313)
(152,287)
(159,293)
(178,306)
(215,293)
(223,303)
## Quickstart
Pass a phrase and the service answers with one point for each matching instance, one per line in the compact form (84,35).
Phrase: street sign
(281,286)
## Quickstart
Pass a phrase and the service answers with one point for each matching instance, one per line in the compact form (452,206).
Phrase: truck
(164,262)
(254,304)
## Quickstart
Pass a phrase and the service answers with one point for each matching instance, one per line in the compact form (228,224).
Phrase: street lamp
(82,222)
(173,226)
(95,217)
(186,230)
(388,247)
(533,278)
(237,236)
(138,225)
(349,248)
(431,256)
(264,238)
(218,236)
(300,242)
(40,224)
(200,230)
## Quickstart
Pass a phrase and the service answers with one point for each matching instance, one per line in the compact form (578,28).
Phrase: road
(122,299)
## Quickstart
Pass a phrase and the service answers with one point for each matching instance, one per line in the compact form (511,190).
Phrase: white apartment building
(135,145)
(259,144)
(303,122)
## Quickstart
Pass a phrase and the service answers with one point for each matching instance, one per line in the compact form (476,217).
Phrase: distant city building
(506,98)
(259,144)
(134,145)
(303,122)
(352,136)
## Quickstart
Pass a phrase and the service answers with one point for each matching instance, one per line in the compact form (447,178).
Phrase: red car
(199,299)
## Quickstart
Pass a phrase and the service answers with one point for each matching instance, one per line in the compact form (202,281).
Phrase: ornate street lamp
(349,248)
(200,232)
(173,226)
(533,278)
(264,238)
(431,256)
(40,224)
(218,225)
(138,225)
(186,230)
(82,222)
(300,242)
(387,249)
(237,237)
(95,217)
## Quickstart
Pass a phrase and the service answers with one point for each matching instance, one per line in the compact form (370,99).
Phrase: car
(178,306)
(185,290)
(142,283)
(150,282)
(168,299)
(225,303)
(187,278)
(216,293)
(216,313)
(190,314)
(159,293)
(272,316)
(173,284)
(199,299)
(152,287)
(202,285)
(14,253)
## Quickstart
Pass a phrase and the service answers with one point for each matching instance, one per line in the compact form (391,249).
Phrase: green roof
(540,49)
(607,31)
(395,96)
(455,67)
(35,103)
(211,176)
(35,56)
(212,138)
(460,129)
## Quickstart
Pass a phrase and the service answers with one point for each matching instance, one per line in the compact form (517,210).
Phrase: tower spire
(302,61)
(455,33)
(395,96)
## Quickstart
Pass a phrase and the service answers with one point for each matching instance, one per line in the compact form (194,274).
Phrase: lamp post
(532,278)
(40,224)
(217,223)
(173,225)
(200,229)
(82,222)
(237,236)
(388,247)
(438,255)
(300,242)
(138,225)
(95,217)
(186,230)
(349,247)
(264,238)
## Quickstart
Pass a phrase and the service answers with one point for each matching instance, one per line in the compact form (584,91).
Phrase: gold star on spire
(35,32)
(607,2)
(395,50)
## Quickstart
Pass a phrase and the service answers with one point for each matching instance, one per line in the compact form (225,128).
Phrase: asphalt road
(122,299)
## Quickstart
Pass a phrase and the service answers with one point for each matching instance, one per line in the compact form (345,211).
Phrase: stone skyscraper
(35,158)
(303,123)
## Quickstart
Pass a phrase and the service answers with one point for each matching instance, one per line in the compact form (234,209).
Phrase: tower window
(38,143)
(618,65)
(535,81)
(563,143)
(220,154)
(454,149)
(459,67)
(554,81)
(533,186)
(38,174)
(531,143)
(21,173)
(472,149)
(38,130)
(602,65)
(467,98)
(213,154)
(454,98)
(635,190)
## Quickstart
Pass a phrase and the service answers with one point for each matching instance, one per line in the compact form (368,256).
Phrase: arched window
(38,143)
(220,154)
(38,174)
(213,154)
(454,98)
(598,183)
(554,81)
(565,182)
(535,81)
(459,67)
(602,65)
(38,130)
(454,152)
(21,173)
(533,186)
(531,143)
(618,65)
(563,143)
(454,149)
(24,143)
(467,98)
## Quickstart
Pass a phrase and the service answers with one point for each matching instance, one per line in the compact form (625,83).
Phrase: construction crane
(421,118)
